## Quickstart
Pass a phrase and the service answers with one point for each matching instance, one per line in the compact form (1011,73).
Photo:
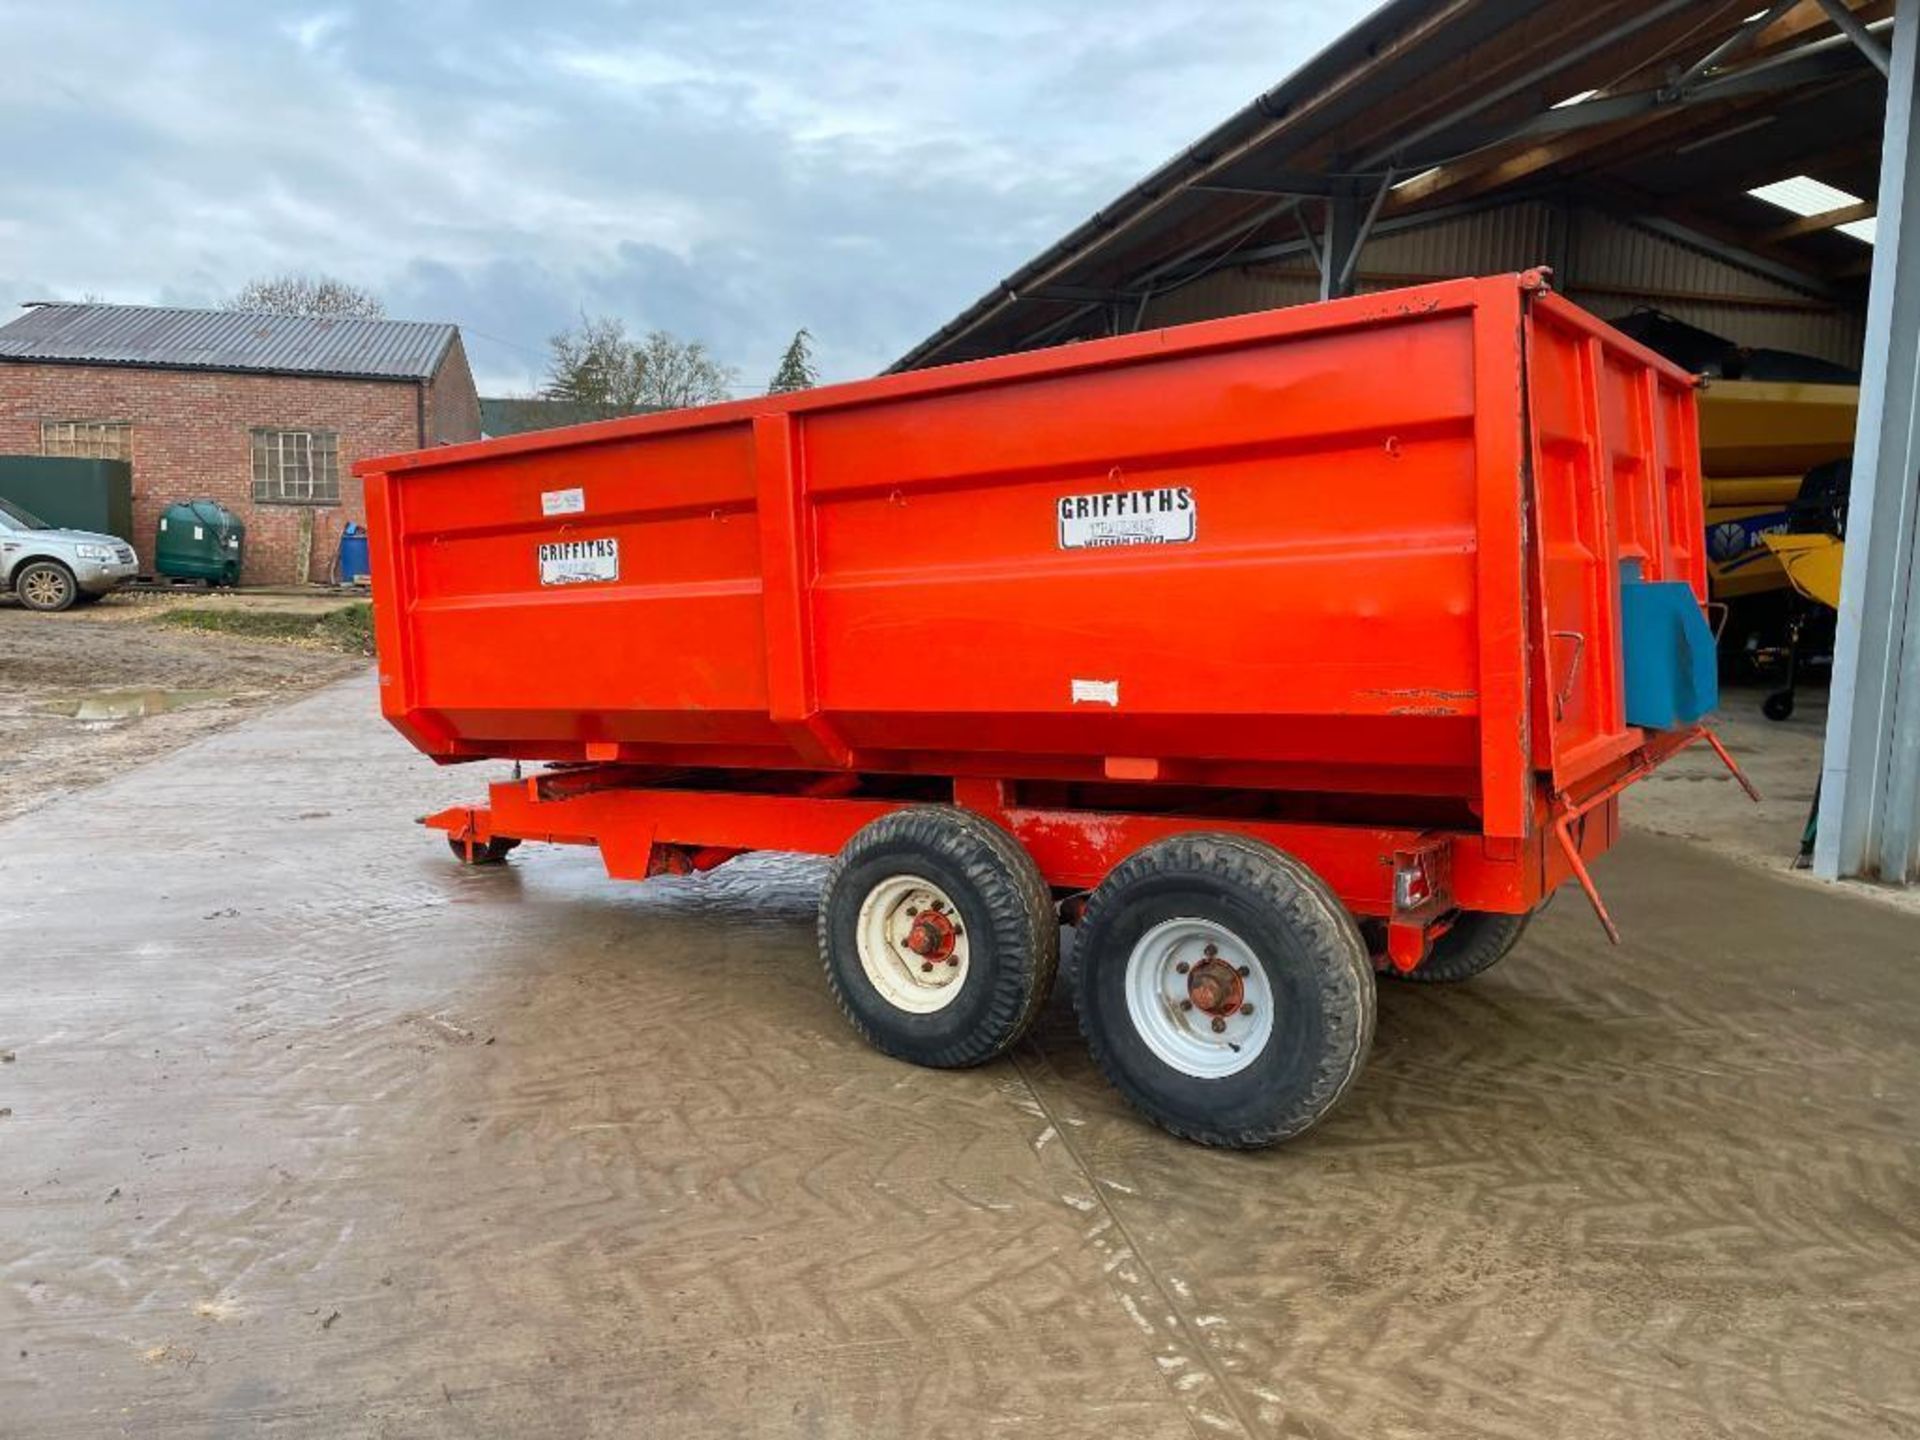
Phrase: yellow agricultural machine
(1776,456)
(1758,440)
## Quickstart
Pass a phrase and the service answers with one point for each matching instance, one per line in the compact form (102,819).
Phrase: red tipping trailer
(1306,641)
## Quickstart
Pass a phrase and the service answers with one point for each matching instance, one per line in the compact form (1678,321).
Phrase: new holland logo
(1164,515)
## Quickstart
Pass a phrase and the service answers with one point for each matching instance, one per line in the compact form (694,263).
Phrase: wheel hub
(1216,987)
(911,944)
(1200,997)
(932,936)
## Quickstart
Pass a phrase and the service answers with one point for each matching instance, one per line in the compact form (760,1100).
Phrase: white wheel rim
(1200,998)
(913,944)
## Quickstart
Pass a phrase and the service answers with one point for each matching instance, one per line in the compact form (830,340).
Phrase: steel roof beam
(1817,60)
(1561,60)
(1849,25)
(1802,65)
(1735,45)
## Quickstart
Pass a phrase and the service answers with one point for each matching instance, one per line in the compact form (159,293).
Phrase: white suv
(50,569)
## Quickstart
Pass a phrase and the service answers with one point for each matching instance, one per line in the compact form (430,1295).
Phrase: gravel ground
(90,693)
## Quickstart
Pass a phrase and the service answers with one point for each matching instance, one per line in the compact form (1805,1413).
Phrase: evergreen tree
(797,368)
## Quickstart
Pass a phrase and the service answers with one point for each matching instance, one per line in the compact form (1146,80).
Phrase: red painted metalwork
(934,938)
(1570,812)
(1382,619)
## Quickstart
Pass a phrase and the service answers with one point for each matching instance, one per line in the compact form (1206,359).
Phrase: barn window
(87,439)
(296,467)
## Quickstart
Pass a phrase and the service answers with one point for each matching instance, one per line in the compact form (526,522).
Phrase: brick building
(264,413)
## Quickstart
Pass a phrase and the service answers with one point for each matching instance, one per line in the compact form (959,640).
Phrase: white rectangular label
(579,562)
(1096,692)
(563,502)
(1164,515)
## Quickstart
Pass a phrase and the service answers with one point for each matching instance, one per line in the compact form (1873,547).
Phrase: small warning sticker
(1095,692)
(563,502)
(1164,515)
(579,562)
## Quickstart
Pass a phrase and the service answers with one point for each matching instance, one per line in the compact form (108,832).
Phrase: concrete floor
(313,1133)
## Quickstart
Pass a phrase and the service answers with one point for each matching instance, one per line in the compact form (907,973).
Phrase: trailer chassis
(1413,880)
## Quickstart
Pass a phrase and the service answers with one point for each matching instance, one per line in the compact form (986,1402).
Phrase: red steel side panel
(1324,611)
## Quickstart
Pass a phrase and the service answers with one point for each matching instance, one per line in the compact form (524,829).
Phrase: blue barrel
(352,567)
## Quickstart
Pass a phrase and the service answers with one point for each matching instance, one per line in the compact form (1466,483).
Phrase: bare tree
(595,363)
(590,365)
(297,294)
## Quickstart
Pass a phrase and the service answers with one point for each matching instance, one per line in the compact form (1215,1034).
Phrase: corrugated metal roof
(227,340)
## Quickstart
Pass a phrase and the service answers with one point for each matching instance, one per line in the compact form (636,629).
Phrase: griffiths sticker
(579,562)
(1164,515)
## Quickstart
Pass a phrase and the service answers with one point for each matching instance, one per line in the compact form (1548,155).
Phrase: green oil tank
(200,540)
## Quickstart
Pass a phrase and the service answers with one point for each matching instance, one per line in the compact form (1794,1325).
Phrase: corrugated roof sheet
(227,340)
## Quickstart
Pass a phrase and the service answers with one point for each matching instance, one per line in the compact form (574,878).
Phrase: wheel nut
(1246,1009)
(926,964)
(1245,971)
(1186,1004)
(953,960)
(913,909)
(1211,951)
(1218,1024)
(1182,968)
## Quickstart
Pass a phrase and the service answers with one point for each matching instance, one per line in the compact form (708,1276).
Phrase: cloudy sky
(729,172)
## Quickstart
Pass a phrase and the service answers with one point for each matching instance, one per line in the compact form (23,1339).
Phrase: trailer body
(1346,576)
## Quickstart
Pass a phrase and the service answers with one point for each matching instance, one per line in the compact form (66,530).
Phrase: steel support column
(1870,781)
(1340,243)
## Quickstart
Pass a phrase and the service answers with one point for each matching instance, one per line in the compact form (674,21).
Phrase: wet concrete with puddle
(116,706)
(89,694)
(306,1131)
